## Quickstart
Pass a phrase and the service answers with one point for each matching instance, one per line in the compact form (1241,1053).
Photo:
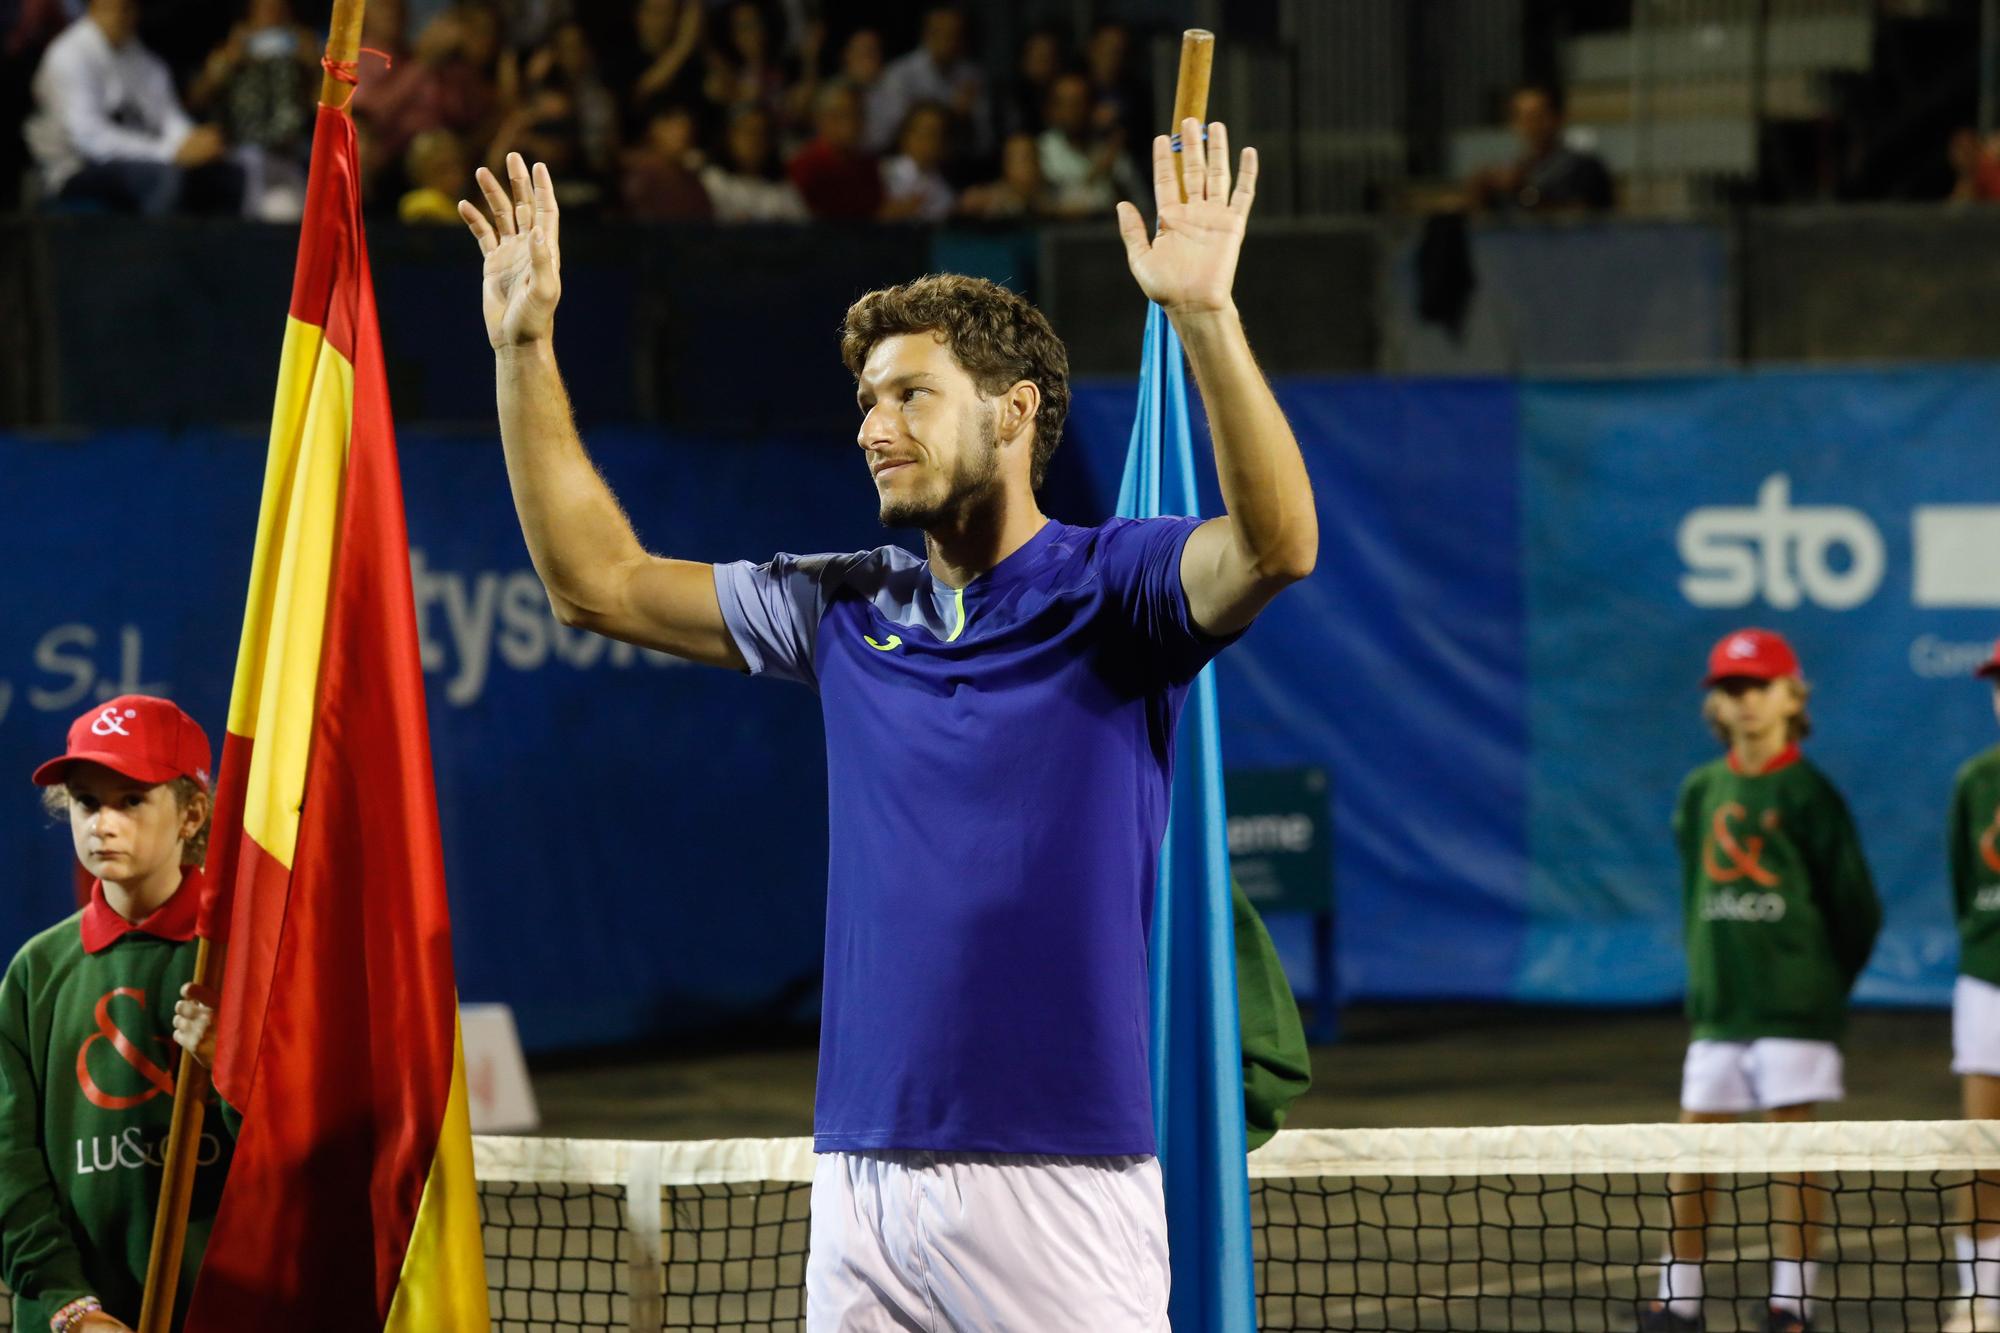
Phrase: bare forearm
(1264,482)
(577,533)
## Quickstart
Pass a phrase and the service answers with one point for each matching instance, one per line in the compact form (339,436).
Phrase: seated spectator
(741,64)
(835,176)
(263,84)
(1020,192)
(913,180)
(657,65)
(457,78)
(1975,163)
(861,70)
(1120,99)
(108,130)
(661,182)
(937,71)
(1083,163)
(568,63)
(1041,59)
(439,178)
(1549,176)
(544,129)
(746,186)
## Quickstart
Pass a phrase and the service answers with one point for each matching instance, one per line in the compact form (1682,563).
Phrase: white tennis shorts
(953,1243)
(1732,1077)
(1975,1027)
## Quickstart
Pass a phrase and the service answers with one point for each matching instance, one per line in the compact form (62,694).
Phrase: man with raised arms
(1000,723)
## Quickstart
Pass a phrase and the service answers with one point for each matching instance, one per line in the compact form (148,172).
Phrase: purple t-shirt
(999,764)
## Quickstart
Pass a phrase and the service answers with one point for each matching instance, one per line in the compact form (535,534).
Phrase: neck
(965,547)
(137,899)
(1755,753)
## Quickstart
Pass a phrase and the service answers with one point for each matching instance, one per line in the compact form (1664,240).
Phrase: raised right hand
(522,245)
(99,1322)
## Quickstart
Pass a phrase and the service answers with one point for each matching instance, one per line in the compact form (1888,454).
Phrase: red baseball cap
(1756,654)
(144,738)
(1991,666)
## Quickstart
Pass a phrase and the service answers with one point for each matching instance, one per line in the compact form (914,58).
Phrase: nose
(877,428)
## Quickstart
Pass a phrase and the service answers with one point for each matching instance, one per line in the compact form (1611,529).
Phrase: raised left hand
(1190,265)
(194,1022)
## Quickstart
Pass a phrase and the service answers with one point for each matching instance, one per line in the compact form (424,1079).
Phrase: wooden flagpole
(1191,89)
(191,1084)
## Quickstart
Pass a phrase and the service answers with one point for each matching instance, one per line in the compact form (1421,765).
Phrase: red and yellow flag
(351,1203)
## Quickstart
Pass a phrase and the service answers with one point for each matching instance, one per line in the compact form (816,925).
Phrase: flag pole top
(343,49)
(1191,87)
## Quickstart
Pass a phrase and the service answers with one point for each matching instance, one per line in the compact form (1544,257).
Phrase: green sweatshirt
(1975,865)
(1277,1067)
(87,1062)
(1781,912)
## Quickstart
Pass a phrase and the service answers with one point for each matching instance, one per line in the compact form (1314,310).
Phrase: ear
(1017,407)
(195,815)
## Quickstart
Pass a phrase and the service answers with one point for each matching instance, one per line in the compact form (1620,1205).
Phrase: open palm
(1190,264)
(522,281)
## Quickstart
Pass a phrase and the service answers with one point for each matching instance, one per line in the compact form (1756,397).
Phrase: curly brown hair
(997,336)
(55,801)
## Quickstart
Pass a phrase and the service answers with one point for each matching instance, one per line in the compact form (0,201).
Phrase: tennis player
(1781,914)
(1000,719)
(1975,1012)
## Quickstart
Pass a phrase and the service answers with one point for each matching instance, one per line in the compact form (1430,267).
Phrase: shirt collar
(1784,758)
(175,919)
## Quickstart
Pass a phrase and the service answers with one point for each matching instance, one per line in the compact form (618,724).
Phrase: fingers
(1216,185)
(1194,158)
(1246,184)
(496,201)
(541,253)
(547,216)
(1132,230)
(524,191)
(475,222)
(1166,190)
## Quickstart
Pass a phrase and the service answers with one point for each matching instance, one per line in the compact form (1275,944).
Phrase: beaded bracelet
(67,1318)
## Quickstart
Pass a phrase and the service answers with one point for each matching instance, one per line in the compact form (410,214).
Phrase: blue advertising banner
(1859,515)
(1496,664)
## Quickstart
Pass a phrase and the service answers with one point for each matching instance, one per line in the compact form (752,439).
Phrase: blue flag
(1197,1042)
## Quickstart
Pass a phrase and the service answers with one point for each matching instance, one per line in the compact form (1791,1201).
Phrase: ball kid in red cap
(1781,915)
(86,1071)
(1973,839)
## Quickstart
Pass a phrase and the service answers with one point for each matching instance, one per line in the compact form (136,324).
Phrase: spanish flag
(351,1203)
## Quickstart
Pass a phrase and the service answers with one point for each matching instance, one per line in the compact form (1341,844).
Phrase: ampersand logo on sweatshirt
(105,1050)
(1988,852)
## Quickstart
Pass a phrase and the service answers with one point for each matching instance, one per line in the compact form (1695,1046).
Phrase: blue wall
(1496,660)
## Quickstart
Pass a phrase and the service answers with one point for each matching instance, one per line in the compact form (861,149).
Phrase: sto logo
(1745,858)
(158,1080)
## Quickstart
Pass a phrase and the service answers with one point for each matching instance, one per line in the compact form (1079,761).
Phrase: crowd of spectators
(655,110)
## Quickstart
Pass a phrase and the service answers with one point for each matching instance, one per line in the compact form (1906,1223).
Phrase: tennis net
(1527,1227)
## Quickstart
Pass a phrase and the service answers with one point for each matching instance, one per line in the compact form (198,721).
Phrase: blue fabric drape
(1197,1048)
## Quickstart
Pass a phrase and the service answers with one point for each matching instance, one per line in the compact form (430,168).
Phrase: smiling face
(126,831)
(927,433)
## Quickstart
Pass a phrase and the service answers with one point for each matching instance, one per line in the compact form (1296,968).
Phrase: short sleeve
(1140,563)
(773,609)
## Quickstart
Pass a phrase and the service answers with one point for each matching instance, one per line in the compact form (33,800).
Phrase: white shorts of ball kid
(1975,1027)
(964,1242)
(1732,1077)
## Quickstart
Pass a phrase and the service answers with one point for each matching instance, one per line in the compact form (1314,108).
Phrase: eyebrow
(861,394)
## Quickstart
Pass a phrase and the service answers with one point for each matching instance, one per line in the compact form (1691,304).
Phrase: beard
(950,496)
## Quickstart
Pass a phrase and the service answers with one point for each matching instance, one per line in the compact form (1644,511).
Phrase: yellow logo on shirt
(895,641)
